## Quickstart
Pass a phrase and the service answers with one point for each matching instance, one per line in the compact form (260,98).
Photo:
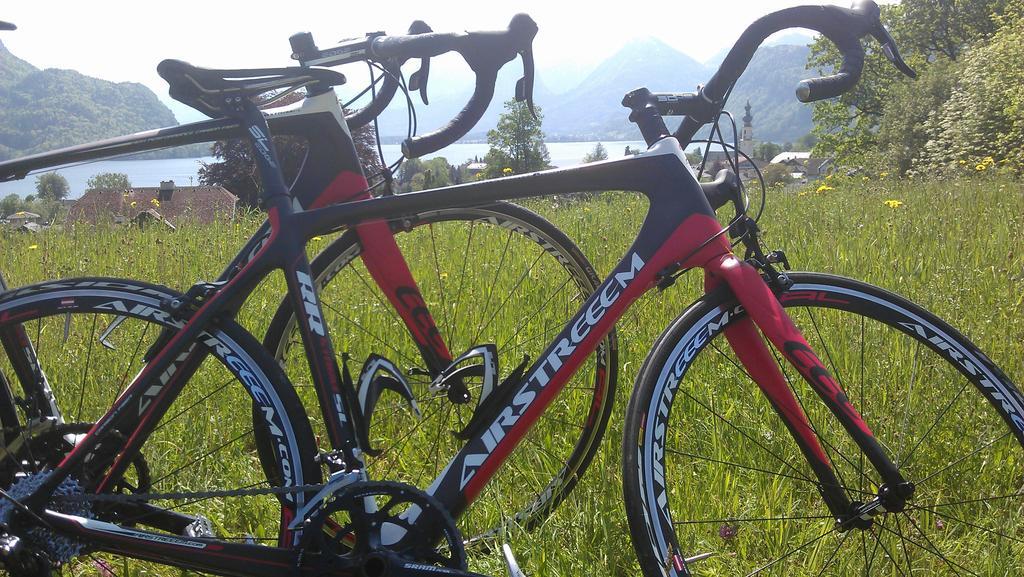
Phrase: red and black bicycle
(883,441)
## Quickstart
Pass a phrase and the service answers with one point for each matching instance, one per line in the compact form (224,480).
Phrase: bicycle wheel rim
(90,336)
(435,244)
(732,483)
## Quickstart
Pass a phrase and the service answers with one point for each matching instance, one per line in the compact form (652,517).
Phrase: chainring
(343,526)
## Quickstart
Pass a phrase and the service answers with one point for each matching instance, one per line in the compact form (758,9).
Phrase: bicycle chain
(136,497)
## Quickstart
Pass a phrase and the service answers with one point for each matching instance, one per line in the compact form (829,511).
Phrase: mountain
(769,83)
(592,110)
(42,110)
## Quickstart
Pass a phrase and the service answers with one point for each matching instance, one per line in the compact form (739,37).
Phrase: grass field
(954,247)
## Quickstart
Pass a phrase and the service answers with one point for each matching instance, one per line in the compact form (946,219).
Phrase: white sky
(124,40)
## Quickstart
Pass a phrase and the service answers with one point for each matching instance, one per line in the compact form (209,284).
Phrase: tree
(695,156)
(983,116)
(419,174)
(10,205)
(237,172)
(598,153)
(806,142)
(766,150)
(517,143)
(946,27)
(931,34)
(776,174)
(109,180)
(51,186)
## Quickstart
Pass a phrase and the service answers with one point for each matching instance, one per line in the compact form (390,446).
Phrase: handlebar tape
(484,52)
(460,125)
(387,91)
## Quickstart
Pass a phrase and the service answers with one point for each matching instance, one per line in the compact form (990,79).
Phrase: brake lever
(892,52)
(418,80)
(889,48)
(524,87)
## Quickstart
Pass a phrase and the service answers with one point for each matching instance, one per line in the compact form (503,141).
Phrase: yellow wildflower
(883,174)
(866,179)
(824,188)
(444,276)
(894,203)
(133,204)
(506,171)
(980,167)
(33,247)
(155,202)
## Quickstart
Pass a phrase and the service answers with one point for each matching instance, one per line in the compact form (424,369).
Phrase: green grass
(954,247)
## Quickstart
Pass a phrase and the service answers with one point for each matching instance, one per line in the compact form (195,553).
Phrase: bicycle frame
(680,230)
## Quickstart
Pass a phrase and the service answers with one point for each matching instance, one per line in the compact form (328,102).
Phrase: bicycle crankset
(369,517)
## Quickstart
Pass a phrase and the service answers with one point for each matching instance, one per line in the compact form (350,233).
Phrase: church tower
(747,136)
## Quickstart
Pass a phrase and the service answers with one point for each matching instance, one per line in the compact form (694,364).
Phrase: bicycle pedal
(201,527)
(511,565)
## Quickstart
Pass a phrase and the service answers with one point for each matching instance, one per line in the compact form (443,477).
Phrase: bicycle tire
(710,468)
(424,238)
(90,335)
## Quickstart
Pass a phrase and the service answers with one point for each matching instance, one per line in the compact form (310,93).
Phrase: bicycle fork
(766,313)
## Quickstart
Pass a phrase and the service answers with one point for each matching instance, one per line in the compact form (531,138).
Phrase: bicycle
(386,528)
(370,262)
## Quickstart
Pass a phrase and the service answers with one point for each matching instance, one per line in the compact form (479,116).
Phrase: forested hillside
(45,109)
(965,112)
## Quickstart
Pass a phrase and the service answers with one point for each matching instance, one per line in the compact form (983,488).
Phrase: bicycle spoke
(888,554)
(792,552)
(968,523)
(930,548)
(490,289)
(508,296)
(754,469)
(542,309)
(203,456)
(828,562)
(437,273)
(88,364)
(962,459)
(906,460)
(450,328)
(906,409)
(744,434)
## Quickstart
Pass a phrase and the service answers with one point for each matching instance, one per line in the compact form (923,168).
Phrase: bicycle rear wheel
(91,336)
(710,468)
(496,274)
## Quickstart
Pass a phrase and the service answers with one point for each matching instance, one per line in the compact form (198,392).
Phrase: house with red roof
(175,205)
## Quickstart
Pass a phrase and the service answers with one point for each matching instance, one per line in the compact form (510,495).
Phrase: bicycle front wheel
(498,274)
(713,475)
(199,466)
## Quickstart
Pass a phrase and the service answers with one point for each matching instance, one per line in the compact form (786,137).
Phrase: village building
(802,166)
(746,169)
(167,204)
(22,218)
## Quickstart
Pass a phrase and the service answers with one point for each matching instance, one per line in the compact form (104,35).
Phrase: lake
(184,171)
